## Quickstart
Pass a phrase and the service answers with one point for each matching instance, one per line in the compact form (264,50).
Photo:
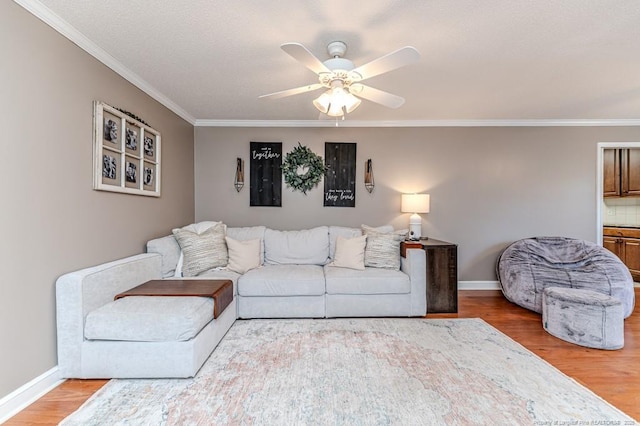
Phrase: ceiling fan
(343,80)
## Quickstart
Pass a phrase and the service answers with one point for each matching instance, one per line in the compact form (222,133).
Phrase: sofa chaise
(327,271)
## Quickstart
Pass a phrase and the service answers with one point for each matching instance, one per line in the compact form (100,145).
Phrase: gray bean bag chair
(528,266)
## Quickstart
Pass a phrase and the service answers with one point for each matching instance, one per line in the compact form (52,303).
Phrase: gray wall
(52,220)
(488,186)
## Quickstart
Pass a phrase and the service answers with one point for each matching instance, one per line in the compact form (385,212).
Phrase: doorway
(599,181)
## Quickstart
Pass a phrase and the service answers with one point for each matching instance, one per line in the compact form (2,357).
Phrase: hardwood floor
(613,375)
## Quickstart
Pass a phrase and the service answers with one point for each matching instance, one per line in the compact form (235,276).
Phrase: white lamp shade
(415,203)
(335,110)
(349,101)
(322,102)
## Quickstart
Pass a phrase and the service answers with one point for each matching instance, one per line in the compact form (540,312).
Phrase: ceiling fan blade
(290,92)
(375,95)
(389,62)
(304,56)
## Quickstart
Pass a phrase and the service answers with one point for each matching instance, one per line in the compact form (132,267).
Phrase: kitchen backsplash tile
(621,211)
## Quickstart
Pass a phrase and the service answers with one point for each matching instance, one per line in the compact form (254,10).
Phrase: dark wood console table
(442,274)
(220,290)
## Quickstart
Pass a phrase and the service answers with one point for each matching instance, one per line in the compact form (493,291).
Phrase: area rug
(357,372)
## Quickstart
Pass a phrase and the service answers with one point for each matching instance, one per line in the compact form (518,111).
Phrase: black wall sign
(265,174)
(340,180)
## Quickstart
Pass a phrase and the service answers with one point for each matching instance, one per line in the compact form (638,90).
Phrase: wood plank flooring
(613,375)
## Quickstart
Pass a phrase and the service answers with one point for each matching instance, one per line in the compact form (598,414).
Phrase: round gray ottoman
(583,317)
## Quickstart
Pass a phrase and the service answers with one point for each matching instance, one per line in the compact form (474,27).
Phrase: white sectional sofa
(295,275)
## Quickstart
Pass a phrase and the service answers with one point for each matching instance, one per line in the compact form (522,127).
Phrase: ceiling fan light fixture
(351,103)
(336,102)
(335,110)
(323,102)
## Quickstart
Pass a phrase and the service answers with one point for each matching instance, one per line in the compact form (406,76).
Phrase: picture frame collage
(126,153)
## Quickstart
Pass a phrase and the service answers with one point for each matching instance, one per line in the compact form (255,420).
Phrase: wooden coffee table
(220,290)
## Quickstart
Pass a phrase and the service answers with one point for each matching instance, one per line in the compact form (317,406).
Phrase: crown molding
(420,123)
(67,30)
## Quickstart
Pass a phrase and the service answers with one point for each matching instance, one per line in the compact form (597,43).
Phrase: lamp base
(415,227)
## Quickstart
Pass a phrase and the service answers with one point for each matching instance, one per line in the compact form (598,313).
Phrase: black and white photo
(148,146)
(110,130)
(132,139)
(131,172)
(109,167)
(147,179)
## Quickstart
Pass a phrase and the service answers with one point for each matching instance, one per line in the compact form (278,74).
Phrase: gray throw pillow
(203,251)
(383,248)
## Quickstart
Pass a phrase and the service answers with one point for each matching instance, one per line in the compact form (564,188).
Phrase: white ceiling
(480,60)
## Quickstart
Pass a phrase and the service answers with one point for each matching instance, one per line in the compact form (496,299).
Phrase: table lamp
(415,203)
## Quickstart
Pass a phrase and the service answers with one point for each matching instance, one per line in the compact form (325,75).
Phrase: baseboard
(492,285)
(28,393)
(478,285)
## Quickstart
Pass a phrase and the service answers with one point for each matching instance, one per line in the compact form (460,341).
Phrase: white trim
(28,393)
(418,123)
(47,16)
(599,189)
(478,285)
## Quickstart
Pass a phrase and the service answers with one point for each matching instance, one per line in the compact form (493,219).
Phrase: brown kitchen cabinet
(624,243)
(621,172)
(442,274)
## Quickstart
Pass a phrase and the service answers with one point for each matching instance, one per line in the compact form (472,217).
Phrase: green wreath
(303,169)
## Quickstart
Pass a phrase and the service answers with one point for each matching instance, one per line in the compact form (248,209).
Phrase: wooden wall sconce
(369,183)
(239,180)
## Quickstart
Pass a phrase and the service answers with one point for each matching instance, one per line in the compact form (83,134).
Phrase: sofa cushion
(246,233)
(149,319)
(243,255)
(202,251)
(350,252)
(305,247)
(369,281)
(383,248)
(283,280)
(169,249)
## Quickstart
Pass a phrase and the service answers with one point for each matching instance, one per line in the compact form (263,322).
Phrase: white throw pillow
(350,252)
(243,255)
(383,248)
(202,251)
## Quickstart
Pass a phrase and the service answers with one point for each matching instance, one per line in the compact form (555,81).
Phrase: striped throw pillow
(203,251)
(383,248)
